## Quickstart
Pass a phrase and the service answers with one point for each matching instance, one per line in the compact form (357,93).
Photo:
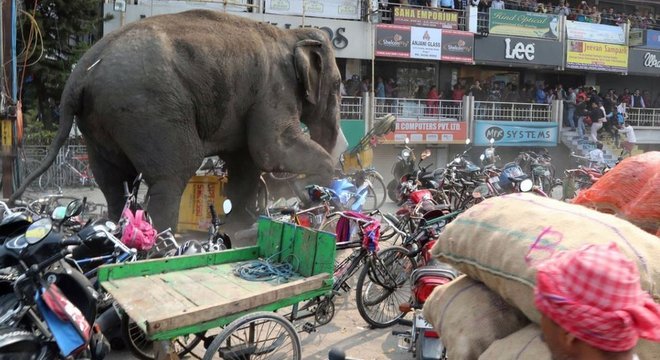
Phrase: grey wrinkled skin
(166,91)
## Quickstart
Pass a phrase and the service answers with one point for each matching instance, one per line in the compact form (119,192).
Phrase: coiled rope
(266,270)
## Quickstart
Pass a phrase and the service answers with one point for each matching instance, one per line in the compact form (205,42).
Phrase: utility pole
(9,84)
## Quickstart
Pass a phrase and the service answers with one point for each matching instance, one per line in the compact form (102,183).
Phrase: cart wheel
(325,311)
(383,285)
(259,335)
(143,348)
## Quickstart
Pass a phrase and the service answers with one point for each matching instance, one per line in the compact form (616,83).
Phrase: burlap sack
(469,317)
(523,344)
(500,240)
(527,344)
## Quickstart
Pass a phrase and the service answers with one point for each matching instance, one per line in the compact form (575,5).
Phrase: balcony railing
(504,111)
(645,118)
(448,110)
(351,108)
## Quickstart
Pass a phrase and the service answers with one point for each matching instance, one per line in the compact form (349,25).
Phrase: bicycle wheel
(143,348)
(383,285)
(378,186)
(45,182)
(260,335)
(29,167)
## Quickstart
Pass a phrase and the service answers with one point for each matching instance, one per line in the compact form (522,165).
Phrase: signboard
(411,42)
(334,9)
(653,39)
(608,34)
(422,131)
(518,23)
(517,50)
(636,37)
(426,17)
(516,133)
(644,62)
(596,56)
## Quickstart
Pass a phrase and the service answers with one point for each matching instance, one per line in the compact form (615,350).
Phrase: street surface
(346,331)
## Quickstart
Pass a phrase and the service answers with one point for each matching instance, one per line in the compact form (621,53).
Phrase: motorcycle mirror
(38,231)
(406,141)
(73,209)
(425,154)
(59,213)
(226,206)
(492,141)
(482,157)
(468,141)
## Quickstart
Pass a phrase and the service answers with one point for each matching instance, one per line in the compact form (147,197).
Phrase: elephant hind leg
(110,173)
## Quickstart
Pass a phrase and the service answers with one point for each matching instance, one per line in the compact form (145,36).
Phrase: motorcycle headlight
(526,185)
(489,153)
(405,154)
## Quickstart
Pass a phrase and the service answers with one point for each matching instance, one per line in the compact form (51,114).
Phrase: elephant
(159,95)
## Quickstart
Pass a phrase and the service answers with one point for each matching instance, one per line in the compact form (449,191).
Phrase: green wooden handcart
(178,296)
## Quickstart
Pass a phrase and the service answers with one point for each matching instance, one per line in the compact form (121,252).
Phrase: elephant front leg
(241,188)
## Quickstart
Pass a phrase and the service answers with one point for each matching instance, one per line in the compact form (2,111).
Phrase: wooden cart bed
(188,294)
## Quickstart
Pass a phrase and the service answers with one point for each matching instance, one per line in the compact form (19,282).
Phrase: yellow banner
(587,55)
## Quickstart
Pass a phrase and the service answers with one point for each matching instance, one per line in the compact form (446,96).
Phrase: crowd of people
(584,11)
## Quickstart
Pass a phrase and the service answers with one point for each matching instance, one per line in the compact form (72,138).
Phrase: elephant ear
(309,68)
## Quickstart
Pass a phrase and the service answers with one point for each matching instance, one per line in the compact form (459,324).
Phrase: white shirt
(630,133)
(621,108)
(596,156)
(497,4)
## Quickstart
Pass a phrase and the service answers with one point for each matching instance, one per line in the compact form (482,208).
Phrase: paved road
(347,330)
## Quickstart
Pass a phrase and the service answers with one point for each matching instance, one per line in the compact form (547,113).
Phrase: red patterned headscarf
(595,294)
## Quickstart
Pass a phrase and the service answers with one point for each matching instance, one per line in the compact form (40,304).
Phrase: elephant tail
(69,106)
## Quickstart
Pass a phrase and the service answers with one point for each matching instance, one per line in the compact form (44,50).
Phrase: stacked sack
(630,191)
(497,244)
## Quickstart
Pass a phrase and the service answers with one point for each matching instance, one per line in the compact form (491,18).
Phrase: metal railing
(505,111)
(645,118)
(447,110)
(351,108)
(60,174)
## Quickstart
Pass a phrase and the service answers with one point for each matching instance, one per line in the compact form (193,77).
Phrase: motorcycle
(51,307)
(405,165)
(542,172)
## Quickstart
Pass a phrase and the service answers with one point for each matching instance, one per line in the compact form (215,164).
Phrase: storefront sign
(653,39)
(596,56)
(350,39)
(608,34)
(333,9)
(644,62)
(411,42)
(508,49)
(428,17)
(457,46)
(636,37)
(428,132)
(516,133)
(518,23)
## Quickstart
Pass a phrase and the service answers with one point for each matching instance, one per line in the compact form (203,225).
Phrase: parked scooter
(405,165)
(50,306)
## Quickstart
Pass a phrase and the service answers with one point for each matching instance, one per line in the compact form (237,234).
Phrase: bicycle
(69,170)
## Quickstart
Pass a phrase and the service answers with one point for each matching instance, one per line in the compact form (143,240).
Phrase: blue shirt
(380,90)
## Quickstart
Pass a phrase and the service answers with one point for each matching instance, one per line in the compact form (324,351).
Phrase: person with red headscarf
(593,306)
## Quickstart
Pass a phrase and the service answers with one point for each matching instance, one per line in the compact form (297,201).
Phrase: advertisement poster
(653,39)
(425,43)
(429,17)
(457,46)
(518,23)
(518,133)
(427,132)
(596,56)
(608,34)
(393,41)
(333,9)
(411,42)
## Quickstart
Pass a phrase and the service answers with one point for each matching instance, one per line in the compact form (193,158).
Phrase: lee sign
(519,51)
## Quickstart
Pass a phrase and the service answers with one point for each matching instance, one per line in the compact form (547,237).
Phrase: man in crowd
(497,4)
(571,102)
(581,111)
(592,305)
(596,156)
(637,101)
(630,141)
(597,116)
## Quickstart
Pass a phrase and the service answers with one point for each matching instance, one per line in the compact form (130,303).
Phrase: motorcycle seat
(428,176)
(430,206)
(438,270)
(517,178)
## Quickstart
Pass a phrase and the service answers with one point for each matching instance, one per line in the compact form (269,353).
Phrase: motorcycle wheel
(143,348)
(391,190)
